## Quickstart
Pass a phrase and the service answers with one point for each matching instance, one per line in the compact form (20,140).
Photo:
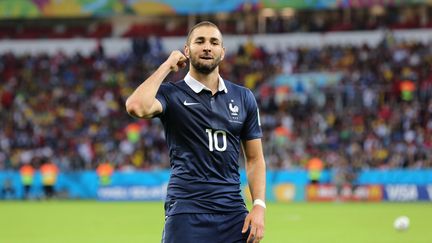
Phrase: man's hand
(255,220)
(176,60)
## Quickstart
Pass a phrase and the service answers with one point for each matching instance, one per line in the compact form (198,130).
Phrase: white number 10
(213,140)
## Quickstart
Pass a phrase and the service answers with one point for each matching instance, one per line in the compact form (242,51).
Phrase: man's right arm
(142,103)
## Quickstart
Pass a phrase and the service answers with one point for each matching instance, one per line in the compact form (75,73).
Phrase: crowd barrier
(282,186)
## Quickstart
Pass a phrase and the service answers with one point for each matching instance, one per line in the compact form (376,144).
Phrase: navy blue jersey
(203,133)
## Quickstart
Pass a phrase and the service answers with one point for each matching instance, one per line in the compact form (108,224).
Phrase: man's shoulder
(235,87)
(171,85)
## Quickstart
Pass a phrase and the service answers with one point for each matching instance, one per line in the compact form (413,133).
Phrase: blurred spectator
(27,176)
(7,190)
(104,171)
(49,172)
(314,166)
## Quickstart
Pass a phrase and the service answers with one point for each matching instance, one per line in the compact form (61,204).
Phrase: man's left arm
(256,174)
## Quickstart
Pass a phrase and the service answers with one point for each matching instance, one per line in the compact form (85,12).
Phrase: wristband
(259,202)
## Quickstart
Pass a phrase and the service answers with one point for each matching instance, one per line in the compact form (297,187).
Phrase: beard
(205,68)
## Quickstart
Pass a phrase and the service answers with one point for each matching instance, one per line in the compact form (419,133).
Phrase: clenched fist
(176,60)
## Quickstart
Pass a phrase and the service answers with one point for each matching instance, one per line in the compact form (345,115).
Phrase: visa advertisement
(407,193)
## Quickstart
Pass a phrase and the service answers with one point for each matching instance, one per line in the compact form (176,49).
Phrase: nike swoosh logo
(191,103)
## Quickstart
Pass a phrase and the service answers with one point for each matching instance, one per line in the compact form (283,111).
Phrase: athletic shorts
(205,227)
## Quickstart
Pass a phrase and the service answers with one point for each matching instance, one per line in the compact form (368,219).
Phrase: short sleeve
(252,125)
(163,97)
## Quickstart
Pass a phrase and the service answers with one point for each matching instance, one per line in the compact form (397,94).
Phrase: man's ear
(223,54)
(186,51)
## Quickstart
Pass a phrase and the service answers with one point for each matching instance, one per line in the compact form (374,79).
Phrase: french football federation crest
(233,108)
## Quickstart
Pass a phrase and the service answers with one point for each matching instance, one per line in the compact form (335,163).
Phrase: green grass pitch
(118,222)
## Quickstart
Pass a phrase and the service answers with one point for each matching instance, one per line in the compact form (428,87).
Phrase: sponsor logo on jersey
(190,103)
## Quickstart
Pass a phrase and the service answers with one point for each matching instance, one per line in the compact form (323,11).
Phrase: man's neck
(210,80)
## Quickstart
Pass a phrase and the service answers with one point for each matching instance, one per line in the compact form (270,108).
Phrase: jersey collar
(197,86)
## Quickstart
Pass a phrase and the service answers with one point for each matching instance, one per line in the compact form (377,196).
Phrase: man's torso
(203,132)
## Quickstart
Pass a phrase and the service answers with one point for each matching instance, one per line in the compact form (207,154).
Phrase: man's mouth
(206,57)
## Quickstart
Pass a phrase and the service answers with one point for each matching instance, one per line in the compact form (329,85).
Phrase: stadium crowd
(71,109)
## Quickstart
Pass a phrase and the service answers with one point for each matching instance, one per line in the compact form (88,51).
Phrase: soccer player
(206,120)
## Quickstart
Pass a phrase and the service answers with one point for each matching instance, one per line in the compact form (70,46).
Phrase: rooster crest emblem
(233,108)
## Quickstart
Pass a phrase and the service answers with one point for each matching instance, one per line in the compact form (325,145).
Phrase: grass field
(102,222)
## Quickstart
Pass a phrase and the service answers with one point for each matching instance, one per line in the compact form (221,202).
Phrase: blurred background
(344,89)
(345,95)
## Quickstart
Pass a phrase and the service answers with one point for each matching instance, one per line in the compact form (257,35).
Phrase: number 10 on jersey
(214,142)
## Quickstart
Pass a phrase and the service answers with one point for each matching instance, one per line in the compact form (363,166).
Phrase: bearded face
(205,63)
(205,50)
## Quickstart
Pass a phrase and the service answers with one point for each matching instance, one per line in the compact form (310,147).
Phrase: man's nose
(207,47)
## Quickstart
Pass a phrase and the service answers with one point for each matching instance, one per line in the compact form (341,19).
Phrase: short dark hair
(200,24)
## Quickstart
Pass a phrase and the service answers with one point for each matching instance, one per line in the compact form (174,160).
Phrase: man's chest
(205,111)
